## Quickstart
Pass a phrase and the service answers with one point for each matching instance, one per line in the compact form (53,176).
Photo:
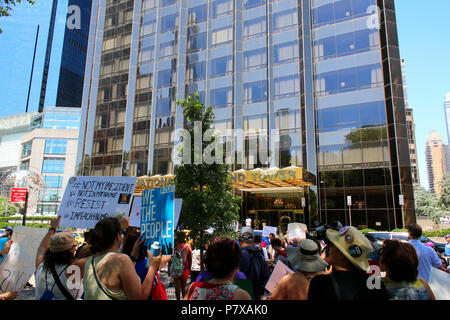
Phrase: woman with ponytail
(110,275)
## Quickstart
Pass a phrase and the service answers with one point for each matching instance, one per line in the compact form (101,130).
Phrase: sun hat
(62,241)
(353,244)
(305,257)
(247,234)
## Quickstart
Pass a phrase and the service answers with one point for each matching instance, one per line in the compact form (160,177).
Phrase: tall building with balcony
(411,127)
(325,73)
(436,163)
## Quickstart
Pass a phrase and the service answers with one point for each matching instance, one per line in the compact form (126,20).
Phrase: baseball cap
(8,229)
(62,241)
(247,234)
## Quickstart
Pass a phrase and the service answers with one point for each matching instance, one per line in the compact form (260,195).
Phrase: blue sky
(423,36)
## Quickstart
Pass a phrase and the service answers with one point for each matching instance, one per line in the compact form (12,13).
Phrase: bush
(367,230)
(439,233)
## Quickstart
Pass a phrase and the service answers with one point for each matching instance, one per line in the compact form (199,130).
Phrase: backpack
(176,267)
(257,271)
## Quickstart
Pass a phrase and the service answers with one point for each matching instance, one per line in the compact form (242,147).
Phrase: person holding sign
(110,275)
(55,266)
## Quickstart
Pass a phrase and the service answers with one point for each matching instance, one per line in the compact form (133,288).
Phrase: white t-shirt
(51,285)
(248,222)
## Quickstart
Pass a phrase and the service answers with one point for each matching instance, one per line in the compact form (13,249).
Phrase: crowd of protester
(332,263)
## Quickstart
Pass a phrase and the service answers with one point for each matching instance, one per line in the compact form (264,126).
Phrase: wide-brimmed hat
(353,244)
(306,257)
(247,234)
(62,241)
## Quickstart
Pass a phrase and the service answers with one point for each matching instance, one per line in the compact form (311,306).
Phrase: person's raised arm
(132,286)
(45,243)
(6,248)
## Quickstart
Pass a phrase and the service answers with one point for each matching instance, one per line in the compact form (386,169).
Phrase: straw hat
(62,241)
(353,244)
(306,257)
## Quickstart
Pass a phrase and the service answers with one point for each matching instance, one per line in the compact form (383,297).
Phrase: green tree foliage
(206,189)
(444,197)
(430,205)
(7,5)
(6,207)
(366,134)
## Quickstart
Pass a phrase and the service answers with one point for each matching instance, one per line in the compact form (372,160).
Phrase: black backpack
(257,271)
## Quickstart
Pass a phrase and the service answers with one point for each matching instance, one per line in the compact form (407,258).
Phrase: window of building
(221,66)
(255,27)
(286,52)
(222,36)
(53,165)
(166,49)
(169,23)
(221,97)
(25,165)
(196,41)
(26,149)
(285,19)
(255,59)
(287,86)
(55,146)
(221,7)
(197,14)
(164,78)
(255,91)
(196,71)
(253,3)
(53,182)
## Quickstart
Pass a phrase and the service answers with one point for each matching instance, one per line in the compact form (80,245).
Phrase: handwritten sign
(278,273)
(157,217)
(19,265)
(268,230)
(88,200)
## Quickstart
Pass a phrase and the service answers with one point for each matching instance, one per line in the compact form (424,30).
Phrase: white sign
(297,231)
(439,282)
(445,220)
(19,265)
(268,230)
(278,273)
(349,200)
(135,214)
(88,200)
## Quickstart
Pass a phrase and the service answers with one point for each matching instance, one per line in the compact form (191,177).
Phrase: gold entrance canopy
(271,178)
(243,179)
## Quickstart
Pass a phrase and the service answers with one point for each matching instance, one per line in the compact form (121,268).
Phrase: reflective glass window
(221,7)
(285,19)
(255,59)
(197,14)
(255,91)
(221,97)
(286,52)
(255,27)
(253,3)
(55,146)
(222,36)
(221,66)
(164,78)
(196,71)
(287,86)
(163,107)
(53,165)
(196,41)
(165,3)
(166,49)
(169,22)
(26,149)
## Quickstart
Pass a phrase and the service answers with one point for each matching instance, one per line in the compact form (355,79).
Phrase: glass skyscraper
(325,73)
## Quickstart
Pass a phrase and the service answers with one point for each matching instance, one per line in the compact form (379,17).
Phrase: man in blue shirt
(447,246)
(4,240)
(427,256)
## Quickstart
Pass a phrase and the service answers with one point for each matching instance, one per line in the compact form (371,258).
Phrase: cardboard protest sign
(268,230)
(439,282)
(278,273)
(88,200)
(19,265)
(157,217)
(135,213)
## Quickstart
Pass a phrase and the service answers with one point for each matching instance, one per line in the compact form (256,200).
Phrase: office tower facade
(411,127)
(65,56)
(436,163)
(50,150)
(447,115)
(324,73)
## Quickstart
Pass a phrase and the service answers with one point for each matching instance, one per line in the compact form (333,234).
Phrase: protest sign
(135,214)
(268,230)
(19,265)
(88,200)
(157,217)
(439,282)
(278,273)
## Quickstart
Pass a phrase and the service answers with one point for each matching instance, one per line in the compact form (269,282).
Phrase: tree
(206,189)
(7,5)
(428,205)
(6,209)
(444,197)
